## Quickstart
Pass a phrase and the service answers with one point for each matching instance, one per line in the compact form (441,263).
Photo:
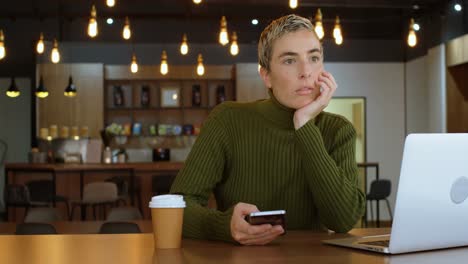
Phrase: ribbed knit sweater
(251,153)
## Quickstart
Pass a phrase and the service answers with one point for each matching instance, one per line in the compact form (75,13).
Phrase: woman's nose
(305,71)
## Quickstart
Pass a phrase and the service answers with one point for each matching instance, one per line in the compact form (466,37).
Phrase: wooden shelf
(153,113)
(161,108)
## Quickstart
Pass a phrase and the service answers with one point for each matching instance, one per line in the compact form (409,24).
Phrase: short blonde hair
(275,30)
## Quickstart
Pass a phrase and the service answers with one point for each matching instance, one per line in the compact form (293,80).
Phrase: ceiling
(361,19)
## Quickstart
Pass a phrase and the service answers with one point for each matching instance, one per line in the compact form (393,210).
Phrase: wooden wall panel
(455,51)
(457,107)
(86,109)
(457,84)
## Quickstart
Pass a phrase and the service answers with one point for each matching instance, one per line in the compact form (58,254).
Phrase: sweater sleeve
(332,176)
(202,171)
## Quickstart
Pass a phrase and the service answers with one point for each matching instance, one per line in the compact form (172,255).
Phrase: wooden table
(294,247)
(76,227)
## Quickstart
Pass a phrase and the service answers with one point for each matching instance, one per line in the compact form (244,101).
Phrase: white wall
(436,86)
(15,124)
(417,96)
(383,86)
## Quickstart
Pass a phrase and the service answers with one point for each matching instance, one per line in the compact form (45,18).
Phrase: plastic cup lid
(167,201)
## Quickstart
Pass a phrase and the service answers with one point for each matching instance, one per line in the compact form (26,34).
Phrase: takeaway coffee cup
(167,214)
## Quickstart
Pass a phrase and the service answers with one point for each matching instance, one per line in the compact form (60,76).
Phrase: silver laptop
(431,210)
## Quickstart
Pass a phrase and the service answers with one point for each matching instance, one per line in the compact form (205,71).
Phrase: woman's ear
(264,74)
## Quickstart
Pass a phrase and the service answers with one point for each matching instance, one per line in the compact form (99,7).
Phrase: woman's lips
(304,91)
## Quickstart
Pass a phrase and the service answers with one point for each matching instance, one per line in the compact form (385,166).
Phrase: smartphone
(277,217)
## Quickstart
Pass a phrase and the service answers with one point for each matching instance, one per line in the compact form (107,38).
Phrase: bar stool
(96,194)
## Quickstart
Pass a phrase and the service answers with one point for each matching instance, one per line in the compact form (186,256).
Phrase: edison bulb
(40,45)
(412,39)
(223,37)
(92,28)
(55,55)
(200,69)
(164,68)
(2,51)
(293,4)
(234,48)
(134,67)
(319,30)
(110,3)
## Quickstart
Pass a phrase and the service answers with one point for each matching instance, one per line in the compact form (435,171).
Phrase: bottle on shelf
(145,96)
(107,155)
(196,95)
(50,155)
(119,99)
(220,94)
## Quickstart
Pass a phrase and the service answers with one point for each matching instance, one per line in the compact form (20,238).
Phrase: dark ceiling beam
(175,16)
(374,4)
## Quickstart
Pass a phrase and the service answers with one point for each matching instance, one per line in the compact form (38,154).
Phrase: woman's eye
(315,58)
(288,61)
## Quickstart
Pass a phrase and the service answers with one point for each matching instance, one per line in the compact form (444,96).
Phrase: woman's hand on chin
(328,86)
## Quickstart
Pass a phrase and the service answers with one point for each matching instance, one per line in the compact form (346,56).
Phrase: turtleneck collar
(273,110)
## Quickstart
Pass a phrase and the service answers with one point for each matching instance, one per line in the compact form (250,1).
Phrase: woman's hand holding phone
(247,234)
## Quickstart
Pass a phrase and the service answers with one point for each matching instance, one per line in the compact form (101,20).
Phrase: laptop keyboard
(381,243)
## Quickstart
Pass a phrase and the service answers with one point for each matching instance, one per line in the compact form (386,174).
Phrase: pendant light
(234,47)
(293,4)
(197,1)
(110,3)
(223,33)
(70,91)
(412,39)
(164,67)
(41,90)
(318,25)
(92,25)
(2,45)
(200,67)
(184,45)
(40,44)
(127,33)
(337,32)
(55,54)
(13,90)
(134,64)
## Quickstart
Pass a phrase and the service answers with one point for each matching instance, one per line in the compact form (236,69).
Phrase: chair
(161,184)
(17,195)
(3,151)
(124,214)
(124,190)
(119,228)
(96,194)
(43,215)
(35,229)
(380,190)
(41,191)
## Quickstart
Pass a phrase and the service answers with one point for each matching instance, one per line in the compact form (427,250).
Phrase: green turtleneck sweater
(251,153)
